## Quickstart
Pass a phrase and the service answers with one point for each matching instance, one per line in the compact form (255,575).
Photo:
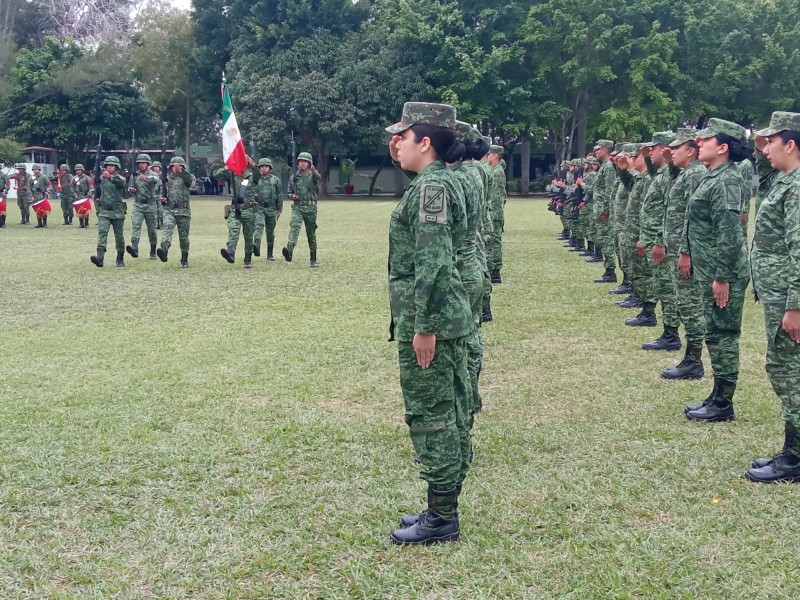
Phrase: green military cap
(145,158)
(64,167)
(720,126)
(685,134)
(631,150)
(156,163)
(424,113)
(591,160)
(781,121)
(21,166)
(305,156)
(36,168)
(79,166)
(660,138)
(111,160)
(465,131)
(604,144)
(177,160)
(265,162)
(617,148)
(496,149)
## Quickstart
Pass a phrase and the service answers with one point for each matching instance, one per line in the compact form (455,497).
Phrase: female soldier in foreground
(776,278)
(431,313)
(718,259)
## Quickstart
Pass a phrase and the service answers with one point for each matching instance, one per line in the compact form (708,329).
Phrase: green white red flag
(232,145)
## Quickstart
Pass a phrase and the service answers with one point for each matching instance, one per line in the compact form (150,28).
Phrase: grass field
(222,433)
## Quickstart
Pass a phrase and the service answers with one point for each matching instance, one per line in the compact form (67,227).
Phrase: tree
(10,151)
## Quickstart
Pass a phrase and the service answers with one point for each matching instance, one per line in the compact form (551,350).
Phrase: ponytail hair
(737,147)
(443,140)
(476,149)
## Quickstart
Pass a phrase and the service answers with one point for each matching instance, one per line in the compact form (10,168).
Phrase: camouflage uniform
(177,212)
(585,224)
(719,253)
(23,182)
(304,209)
(270,206)
(146,194)
(746,170)
(602,199)
(246,202)
(637,185)
(496,198)
(110,213)
(4,187)
(40,189)
(67,192)
(618,219)
(427,296)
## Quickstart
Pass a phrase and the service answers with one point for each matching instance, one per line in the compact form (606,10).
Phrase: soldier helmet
(145,158)
(305,156)
(79,166)
(157,163)
(36,168)
(111,160)
(22,166)
(265,162)
(177,160)
(64,167)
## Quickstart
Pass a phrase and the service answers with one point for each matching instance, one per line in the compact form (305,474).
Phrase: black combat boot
(623,288)
(669,340)
(38,223)
(437,523)
(44,221)
(409,520)
(152,252)
(80,222)
(784,466)
(314,263)
(184,260)
(717,408)
(632,301)
(570,241)
(494,276)
(608,276)
(120,258)
(578,247)
(596,257)
(228,254)
(589,249)
(269,252)
(70,220)
(247,260)
(2,221)
(691,367)
(97,259)
(133,248)
(646,318)
(287,252)
(66,220)
(163,251)
(564,235)
(256,248)
(486,314)
(709,398)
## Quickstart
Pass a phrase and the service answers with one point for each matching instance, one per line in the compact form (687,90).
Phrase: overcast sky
(185,4)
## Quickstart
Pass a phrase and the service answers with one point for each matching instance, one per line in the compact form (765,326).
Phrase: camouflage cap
(685,134)
(591,160)
(306,156)
(716,126)
(604,144)
(265,162)
(64,167)
(424,113)
(781,121)
(495,149)
(144,158)
(79,166)
(617,148)
(36,168)
(660,138)
(465,131)
(631,150)
(156,163)
(22,166)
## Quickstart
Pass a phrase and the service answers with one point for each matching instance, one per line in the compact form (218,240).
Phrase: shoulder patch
(733,196)
(433,204)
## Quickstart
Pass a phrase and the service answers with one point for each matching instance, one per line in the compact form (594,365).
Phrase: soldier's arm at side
(729,230)
(791,209)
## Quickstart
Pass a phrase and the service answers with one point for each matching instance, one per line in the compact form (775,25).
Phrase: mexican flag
(232,146)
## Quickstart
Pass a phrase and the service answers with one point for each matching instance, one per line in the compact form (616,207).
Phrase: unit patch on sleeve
(433,204)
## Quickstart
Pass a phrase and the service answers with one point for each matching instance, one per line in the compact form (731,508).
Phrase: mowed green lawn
(222,433)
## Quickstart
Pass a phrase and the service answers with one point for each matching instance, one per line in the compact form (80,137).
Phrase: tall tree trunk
(525,172)
(324,168)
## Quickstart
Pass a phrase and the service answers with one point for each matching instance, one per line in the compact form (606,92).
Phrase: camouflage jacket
(485,218)
(604,188)
(110,204)
(637,184)
(746,170)
(40,187)
(82,185)
(654,208)
(67,185)
(466,254)
(426,229)
(620,207)
(178,186)
(766,177)
(23,183)
(714,232)
(677,209)
(589,185)
(305,185)
(5,184)
(246,190)
(146,193)
(270,195)
(775,256)
(497,192)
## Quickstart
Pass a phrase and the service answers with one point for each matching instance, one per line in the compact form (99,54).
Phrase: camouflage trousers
(182,222)
(494,245)
(584,223)
(66,207)
(618,233)
(783,363)
(604,238)
(104,224)
(638,269)
(147,214)
(304,215)
(689,300)
(566,223)
(159,215)
(474,289)
(263,220)
(235,227)
(723,328)
(438,405)
(23,202)
(664,288)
